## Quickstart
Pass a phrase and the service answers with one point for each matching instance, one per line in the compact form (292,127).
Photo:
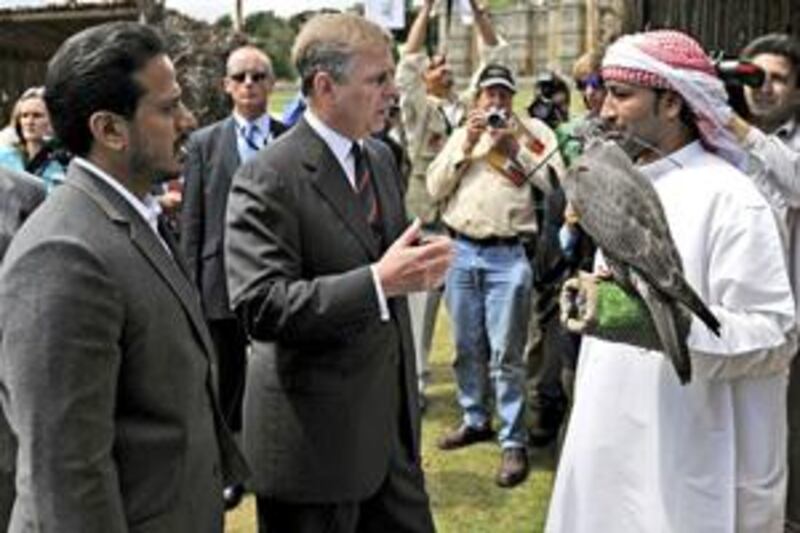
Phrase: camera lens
(496,119)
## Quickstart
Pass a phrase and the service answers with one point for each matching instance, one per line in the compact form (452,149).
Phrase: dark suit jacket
(20,194)
(212,159)
(104,355)
(331,389)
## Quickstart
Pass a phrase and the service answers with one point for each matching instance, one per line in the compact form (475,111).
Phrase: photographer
(431,109)
(551,100)
(774,144)
(775,104)
(483,179)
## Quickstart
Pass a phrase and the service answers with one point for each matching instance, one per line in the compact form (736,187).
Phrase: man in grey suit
(212,156)
(105,359)
(20,194)
(318,268)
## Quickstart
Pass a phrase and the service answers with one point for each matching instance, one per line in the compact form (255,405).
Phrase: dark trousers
(230,343)
(400,506)
(793,406)
(8,458)
(7,494)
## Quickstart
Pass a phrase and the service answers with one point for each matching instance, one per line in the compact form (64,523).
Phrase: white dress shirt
(261,137)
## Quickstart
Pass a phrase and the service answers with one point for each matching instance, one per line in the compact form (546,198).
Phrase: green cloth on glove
(603,309)
(623,317)
(616,309)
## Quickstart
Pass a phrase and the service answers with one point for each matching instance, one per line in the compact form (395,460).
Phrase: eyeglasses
(256,77)
(595,81)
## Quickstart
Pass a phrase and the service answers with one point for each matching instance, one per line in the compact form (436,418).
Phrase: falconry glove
(591,305)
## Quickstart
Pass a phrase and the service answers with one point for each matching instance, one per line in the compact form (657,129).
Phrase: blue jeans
(488,297)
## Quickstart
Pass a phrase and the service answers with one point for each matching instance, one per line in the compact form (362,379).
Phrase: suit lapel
(384,180)
(276,128)
(148,243)
(230,151)
(166,234)
(329,179)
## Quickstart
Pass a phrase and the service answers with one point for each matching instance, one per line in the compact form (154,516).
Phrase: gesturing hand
(414,262)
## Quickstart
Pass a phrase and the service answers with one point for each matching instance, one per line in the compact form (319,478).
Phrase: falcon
(619,208)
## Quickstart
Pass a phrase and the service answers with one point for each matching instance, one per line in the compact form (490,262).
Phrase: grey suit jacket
(330,387)
(105,365)
(20,194)
(211,160)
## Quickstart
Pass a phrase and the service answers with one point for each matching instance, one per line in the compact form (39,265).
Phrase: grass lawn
(461,483)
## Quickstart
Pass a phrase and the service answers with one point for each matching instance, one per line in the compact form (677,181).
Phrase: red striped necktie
(365,190)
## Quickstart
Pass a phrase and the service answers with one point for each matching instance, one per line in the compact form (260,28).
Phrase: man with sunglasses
(589,82)
(214,154)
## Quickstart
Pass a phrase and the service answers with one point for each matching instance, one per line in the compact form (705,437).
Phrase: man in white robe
(644,453)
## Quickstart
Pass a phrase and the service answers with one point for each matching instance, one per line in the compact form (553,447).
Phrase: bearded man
(643,452)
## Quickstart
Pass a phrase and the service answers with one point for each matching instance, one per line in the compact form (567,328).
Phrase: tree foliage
(275,36)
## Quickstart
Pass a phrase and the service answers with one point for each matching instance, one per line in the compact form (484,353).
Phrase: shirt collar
(339,144)
(263,123)
(676,160)
(148,207)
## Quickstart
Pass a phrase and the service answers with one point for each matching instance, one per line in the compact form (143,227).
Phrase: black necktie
(365,190)
(169,239)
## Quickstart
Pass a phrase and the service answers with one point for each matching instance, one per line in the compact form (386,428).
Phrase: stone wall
(544,34)
(551,34)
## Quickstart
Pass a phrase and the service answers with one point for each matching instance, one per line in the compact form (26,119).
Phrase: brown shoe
(513,467)
(464,436)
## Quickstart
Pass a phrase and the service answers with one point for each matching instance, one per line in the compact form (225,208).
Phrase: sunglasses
(255,77)
(595,81)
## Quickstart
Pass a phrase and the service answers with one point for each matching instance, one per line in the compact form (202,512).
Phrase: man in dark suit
(20,194)
(213,155)
(318,268)
(105,359)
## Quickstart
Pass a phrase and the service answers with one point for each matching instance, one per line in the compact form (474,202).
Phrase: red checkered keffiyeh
(673,48)
(668,59)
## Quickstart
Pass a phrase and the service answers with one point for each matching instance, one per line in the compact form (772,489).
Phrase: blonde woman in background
(34,152)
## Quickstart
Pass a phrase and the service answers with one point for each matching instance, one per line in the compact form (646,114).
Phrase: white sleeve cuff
(383,306)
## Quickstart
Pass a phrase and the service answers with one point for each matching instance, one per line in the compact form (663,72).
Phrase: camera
(546,86)
(551,102)
(496,118)
(739,72)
